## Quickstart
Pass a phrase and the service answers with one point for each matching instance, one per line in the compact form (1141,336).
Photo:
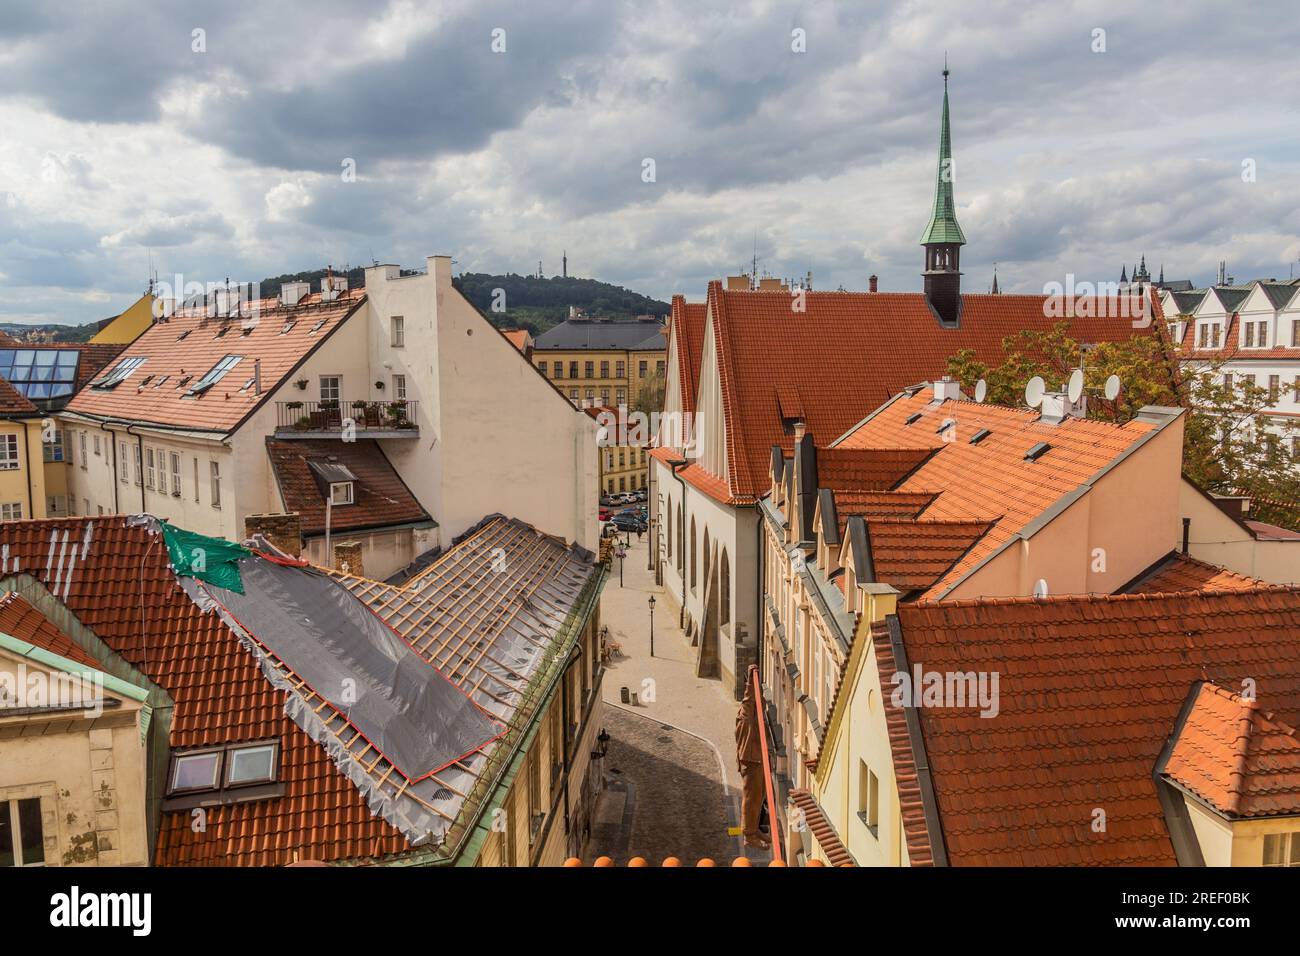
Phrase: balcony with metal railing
(360,418)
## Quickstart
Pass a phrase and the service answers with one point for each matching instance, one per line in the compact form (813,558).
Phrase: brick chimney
(283,530)
(347,558)
(873,282)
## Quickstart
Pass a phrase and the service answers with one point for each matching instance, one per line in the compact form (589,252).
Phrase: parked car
(603,514)
(628,521)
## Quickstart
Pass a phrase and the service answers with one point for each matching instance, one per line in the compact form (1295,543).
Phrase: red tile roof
(686,329)
(519,338)
(113,574)
(1271,532)
(183,349)
(19,619)
(1235,757)
(1090,688)
(868,469)
(1180,572)
(120,585)
(991,480)
(846,354)
(836,853)
(13,402)
(912,555)
(381,498)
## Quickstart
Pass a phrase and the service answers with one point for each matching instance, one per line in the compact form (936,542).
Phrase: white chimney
(331,286)
(291,293)
(1057,407)
(947,388)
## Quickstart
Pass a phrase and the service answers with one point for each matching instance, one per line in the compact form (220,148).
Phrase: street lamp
(651,602)
(620,552)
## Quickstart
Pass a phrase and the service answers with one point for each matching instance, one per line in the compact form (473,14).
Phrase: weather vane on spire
(945,68)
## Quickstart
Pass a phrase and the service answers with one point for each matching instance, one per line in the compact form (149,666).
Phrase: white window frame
(9,458)
(176,474)
(123,464)
(214,479)
(179,760)
(348,497)
(336,387)
(11,511)
(10,806)
(399,388)
(232,755)
(151,469)
(1290,844)
(397,332)
(84,458)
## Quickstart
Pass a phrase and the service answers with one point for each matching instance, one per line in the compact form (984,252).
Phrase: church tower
(943,238)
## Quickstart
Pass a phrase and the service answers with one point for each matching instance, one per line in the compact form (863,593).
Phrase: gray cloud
(228,161)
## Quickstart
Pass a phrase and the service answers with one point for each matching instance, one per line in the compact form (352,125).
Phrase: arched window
(725,588)
(670,527)
(694,555)
(707,556)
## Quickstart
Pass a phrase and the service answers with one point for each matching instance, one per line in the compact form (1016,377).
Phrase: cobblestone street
(672,782)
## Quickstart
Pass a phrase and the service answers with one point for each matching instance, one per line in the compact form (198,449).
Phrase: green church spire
(943,222)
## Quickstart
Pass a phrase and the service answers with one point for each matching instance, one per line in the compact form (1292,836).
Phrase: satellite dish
(1034,391)
(1040,588)
(981,390)
(1112,388)
(1075,389)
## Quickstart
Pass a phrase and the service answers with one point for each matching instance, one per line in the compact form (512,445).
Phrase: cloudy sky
(218,141)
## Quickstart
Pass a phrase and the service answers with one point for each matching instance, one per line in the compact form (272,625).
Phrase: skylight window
(947,423)
(120,371)
(316,327)
(215,374)
(979,436)
(199,771)
(255,764)
(40,373)
(913,418)
(288,326)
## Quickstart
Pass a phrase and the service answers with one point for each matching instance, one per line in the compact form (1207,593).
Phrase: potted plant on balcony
(303,423)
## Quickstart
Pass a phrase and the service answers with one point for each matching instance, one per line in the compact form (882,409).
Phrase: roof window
(120,371)
(979,436)
(913,418)
(214,375)
(1038,451)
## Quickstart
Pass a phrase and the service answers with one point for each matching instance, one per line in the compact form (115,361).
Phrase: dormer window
(341,493)
(1256,334)
(1207,335)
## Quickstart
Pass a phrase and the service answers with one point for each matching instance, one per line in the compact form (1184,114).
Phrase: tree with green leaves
(1226,449)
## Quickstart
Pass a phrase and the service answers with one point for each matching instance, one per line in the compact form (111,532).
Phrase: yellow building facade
(125,328)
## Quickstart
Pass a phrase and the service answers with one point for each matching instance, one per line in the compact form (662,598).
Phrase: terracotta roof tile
(836,852)
(686,328)
(1090,688)
(1235,757)
(1180,572)
(13,402)
(912,555)
(846,354)
(380,496)
(185,347)
(19,619)
(991,479)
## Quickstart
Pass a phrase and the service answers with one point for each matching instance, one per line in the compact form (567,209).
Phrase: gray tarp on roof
(400,703)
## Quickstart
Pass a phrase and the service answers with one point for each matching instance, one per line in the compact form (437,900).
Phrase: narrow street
(672,786)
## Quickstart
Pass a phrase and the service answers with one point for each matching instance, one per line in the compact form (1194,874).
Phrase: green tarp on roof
(214,560)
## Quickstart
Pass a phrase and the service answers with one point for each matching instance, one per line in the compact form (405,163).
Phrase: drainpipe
(681,612)
(144,508)
(27,450)
(112,443)
(760,622)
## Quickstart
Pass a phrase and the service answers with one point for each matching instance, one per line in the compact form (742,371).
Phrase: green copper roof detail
(943,222)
